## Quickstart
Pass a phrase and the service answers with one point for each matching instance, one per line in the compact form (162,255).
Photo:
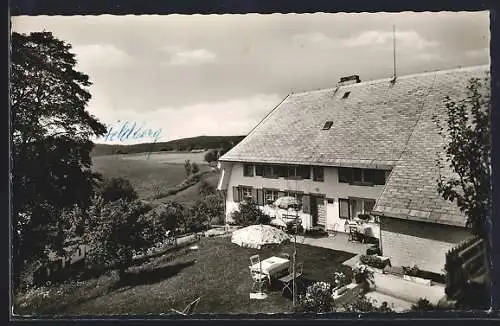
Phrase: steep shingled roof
(380,125)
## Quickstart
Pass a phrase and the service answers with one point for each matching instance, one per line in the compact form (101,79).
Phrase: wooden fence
(463,263)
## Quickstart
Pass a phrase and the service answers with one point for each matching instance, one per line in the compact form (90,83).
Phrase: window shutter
(254,195)
(260,197)
(306,204)
(236,197)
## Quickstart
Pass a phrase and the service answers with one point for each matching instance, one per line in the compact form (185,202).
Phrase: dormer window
(346,94)
(328,125)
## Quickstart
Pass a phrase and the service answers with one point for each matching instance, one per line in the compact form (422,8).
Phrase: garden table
(271,266)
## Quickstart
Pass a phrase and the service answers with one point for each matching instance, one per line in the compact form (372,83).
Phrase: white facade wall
(330,187)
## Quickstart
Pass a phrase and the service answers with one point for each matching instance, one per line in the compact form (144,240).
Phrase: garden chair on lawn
(287,280)
(255,259)
(189,308)
(258,279)
(284,255)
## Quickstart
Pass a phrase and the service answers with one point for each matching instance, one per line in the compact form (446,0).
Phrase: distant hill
(184,144)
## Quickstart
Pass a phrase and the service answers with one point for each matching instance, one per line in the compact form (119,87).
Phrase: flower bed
(374,261)
(414,274)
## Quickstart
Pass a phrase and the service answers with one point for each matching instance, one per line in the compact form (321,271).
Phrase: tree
(207,188)
(468,131)
(187,168)
(118,188)
(249,213)
(194,168)
(211,156)
(208,209)
(51,142)
(115,230)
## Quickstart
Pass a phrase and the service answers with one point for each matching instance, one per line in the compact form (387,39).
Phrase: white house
(361,147)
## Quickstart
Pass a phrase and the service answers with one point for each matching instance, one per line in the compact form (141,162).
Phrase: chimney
(353,79)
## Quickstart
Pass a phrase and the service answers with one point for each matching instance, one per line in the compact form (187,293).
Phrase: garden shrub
(363,275)
(249,213)
(318,298)
(423,305)
(411,271)
(117,188)
(373,261)
(363,304)
(375,250)
(340,279)
(294,228)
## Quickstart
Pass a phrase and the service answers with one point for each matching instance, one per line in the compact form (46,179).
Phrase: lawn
(217,271)
(143,172)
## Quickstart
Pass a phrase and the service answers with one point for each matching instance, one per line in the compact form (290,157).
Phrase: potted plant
(364,276)
(340,282)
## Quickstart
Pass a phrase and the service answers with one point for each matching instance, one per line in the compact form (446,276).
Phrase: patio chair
(255,259)
(353,232)
(189,308)
(258,278)
(284,255)
(287,280)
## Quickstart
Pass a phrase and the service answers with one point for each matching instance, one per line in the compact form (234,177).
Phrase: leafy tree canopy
(468,131)
(51,140)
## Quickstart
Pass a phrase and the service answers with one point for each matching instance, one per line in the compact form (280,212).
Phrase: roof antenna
(393,80)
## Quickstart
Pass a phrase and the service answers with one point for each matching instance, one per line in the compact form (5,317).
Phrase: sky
(182,76)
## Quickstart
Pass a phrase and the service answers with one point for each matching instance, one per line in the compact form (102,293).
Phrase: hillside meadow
(150,172)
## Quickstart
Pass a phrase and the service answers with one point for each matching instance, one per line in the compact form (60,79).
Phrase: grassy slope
(218,272)
(145,173)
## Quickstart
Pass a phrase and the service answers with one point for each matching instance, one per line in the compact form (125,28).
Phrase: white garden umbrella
(286,202)
(256,236)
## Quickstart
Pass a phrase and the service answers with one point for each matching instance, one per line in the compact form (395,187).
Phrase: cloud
(478,53)
(189,57)
(407,39)
(313,37)
(232,117)
(101,55)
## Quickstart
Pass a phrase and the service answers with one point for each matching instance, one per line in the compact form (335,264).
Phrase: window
(248,170)
(259,170)
(245,193)
(280,171)
(379,177)
(368,206)
(345,175)
(357,175)
(346,94)
(344,208)
(304,172)
(294,194)
(299,172)
(268,171)
(350,208)
(362,176)
(318,173)
(328,125)
(270,196)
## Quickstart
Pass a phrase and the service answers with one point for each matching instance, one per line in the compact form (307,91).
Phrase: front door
(318,210)
(314,211)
